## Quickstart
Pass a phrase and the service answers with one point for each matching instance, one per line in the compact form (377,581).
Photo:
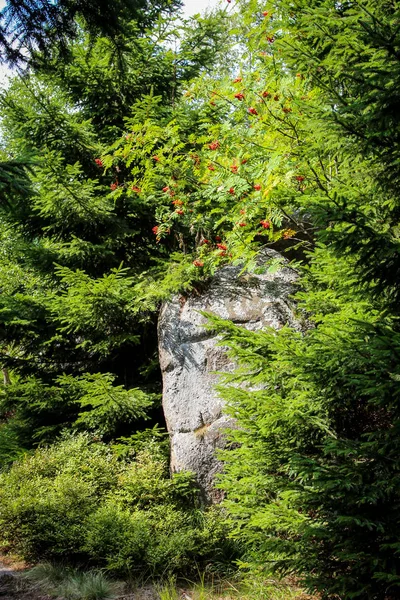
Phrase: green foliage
(101,311)
(76,500)
(312,480)
(83,274)
(236,588)
(10,444)
(160,540)
(139,193)
(234,180)
(90,402)
(14,179)
(49,28)
(151,437)
(45,497)
(145,482)
(312,475)
(105,405)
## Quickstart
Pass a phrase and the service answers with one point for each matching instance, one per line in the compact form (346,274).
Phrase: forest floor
(15,586)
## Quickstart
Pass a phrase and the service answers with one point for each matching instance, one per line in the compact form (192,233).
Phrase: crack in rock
(190,357)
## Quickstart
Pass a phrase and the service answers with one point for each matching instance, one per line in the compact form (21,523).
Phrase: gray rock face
(189,357)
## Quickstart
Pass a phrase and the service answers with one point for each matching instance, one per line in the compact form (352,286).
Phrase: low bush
(159,540)
(46,497)
(78,501)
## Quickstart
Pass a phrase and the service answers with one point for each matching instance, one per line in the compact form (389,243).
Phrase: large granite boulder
(189,357)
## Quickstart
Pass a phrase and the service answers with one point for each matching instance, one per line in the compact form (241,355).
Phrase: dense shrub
(45,498)
(77,500)
(159,540)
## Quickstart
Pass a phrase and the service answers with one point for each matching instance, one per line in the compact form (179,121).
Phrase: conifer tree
(33,26)
(78,243)
(294,146)
(312,479)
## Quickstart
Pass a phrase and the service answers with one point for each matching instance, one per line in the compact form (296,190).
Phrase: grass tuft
(47,575)
(70,584)
(256,589)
